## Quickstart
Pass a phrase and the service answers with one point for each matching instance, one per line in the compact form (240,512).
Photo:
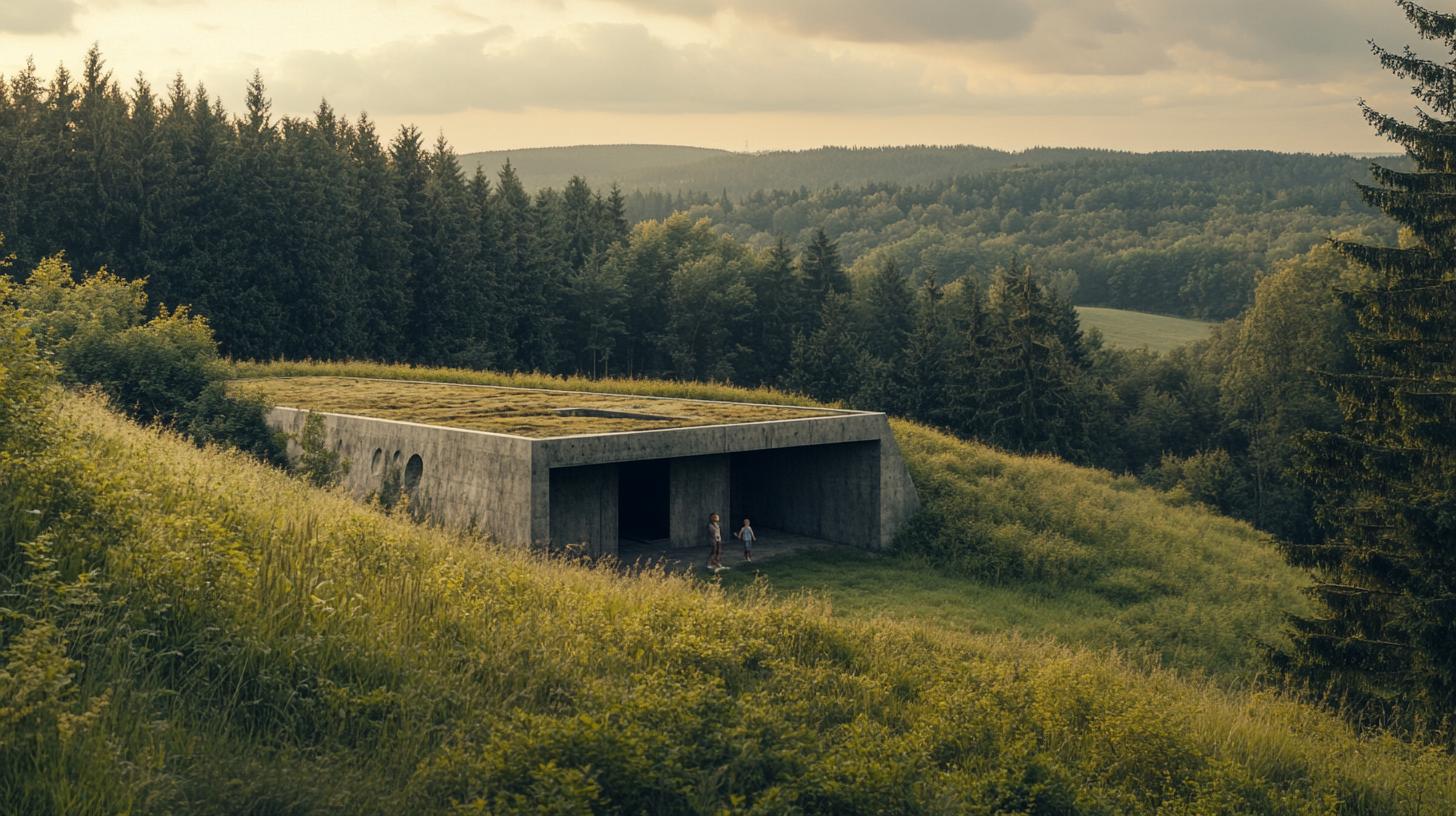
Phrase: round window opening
(413,470)
(376,463)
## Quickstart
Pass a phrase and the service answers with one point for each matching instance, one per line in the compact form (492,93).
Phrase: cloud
(607,67)
(906,21)
(1253,38)
(38,16)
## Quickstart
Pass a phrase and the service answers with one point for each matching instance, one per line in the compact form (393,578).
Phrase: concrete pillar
(699,486)
(584,509)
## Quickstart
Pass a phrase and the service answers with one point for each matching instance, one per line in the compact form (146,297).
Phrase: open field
(1131,330)
(526,412)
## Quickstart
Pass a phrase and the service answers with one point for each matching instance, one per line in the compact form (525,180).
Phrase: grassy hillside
(674,169)
(192,632)
(1030,544)
(1131,330)
(1037,546)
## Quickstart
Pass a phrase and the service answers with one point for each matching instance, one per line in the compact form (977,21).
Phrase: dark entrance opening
(642,500)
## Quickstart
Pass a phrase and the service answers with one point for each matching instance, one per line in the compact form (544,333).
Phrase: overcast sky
(765,74)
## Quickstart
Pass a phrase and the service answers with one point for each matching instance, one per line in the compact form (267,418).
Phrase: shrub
(317,463)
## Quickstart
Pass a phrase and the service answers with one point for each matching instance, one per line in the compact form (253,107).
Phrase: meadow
(1126,329)
(190,631)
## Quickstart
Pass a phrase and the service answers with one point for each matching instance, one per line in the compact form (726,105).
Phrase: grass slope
(1026,543)
(197,633)
(1132,330)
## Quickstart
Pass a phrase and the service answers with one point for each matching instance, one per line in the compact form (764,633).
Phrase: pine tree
(968,324)
(264,278)
(412,177)
(826,365)
(615,214)
(924,386)
(889,312)
(491,332)
(822,275)
(548,268)
(1385,636)
(521,290)
(1030,399)
(597,293)
(778,295)
(382,251)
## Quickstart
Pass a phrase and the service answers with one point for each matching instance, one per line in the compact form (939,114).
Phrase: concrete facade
(838,477)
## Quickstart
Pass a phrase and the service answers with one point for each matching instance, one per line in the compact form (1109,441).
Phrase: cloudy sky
(765,74)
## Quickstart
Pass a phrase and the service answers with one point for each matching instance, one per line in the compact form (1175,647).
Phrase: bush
(317,463)
(165,369)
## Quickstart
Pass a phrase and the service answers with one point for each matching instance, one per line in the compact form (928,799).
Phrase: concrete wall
(584,508)
(899,500)
(698,485)
(470,479)
(824,491)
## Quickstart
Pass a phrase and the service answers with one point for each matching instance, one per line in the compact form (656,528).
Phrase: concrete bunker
(529,467)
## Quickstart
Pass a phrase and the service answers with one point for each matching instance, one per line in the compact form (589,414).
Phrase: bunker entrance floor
(635,555)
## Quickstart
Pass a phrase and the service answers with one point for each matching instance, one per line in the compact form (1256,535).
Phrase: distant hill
(599,164)
(673,169)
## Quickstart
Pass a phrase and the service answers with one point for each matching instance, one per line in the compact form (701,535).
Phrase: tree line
(317,238)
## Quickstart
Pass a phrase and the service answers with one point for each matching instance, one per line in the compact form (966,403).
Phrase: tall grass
(222,638)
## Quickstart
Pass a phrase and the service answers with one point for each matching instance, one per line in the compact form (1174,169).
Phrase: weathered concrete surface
(469,479)
(584,509)
(839,477)
(830,492)
(698,485)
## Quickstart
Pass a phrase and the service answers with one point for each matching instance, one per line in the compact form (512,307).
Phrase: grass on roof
(516,411)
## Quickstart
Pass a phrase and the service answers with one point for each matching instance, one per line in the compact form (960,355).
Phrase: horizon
(1362,154)
(747,76)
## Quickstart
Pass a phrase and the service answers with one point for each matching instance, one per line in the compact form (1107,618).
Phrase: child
(746,535)
(715,543)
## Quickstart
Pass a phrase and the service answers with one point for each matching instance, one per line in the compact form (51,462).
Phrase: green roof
(529,412)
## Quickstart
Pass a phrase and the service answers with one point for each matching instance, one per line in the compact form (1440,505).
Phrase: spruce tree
(521,292)
(826,365)
(778,295)
(823,275)
(1030,399)
(923,387)
(968,323)
(614,227)
(889,312)
(1385,483)
(382,250)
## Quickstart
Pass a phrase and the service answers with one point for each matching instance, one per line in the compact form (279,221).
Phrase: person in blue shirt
(746,535)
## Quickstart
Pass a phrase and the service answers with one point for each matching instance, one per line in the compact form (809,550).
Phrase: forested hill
(1175,233)
(600,165)
(687,170)
(674,169)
